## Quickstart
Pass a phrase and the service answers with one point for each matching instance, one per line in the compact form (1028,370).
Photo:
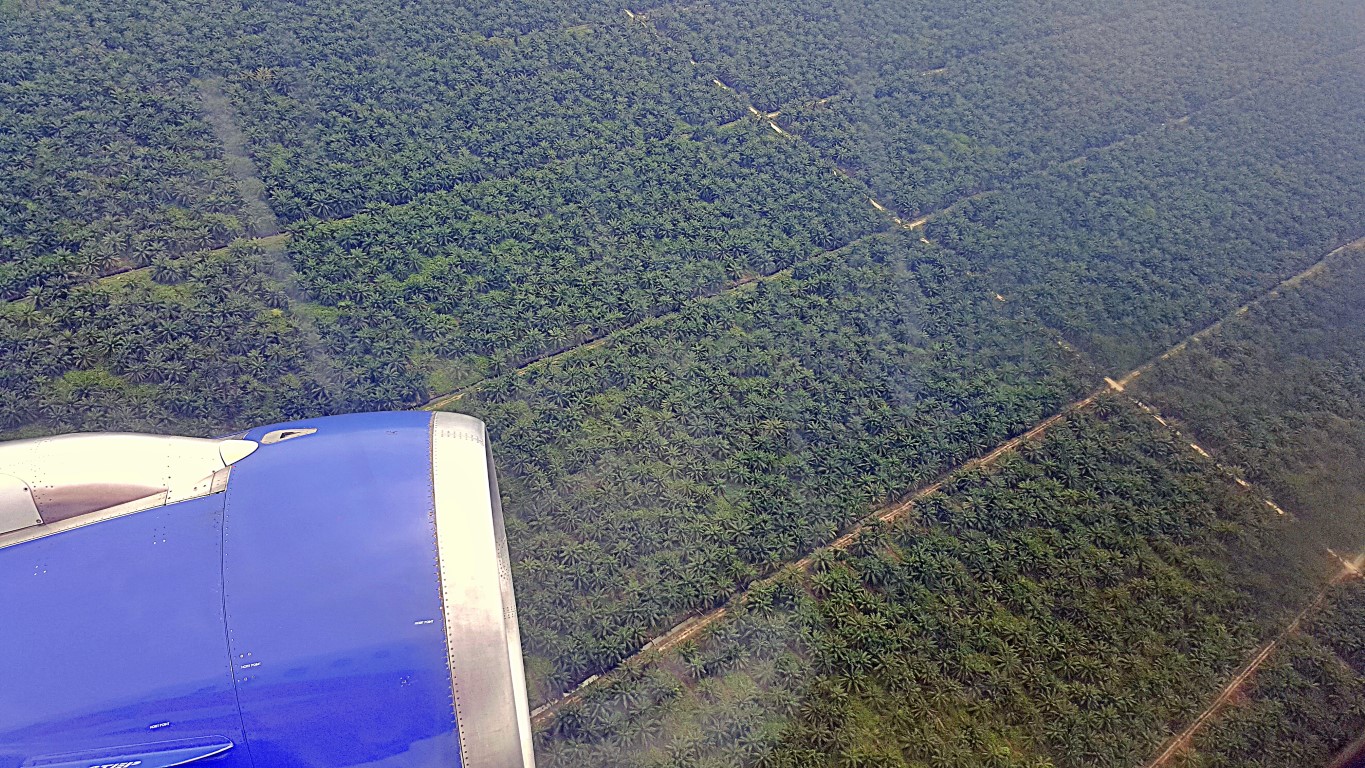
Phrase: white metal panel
(79,479)
(233,451)
(17,509)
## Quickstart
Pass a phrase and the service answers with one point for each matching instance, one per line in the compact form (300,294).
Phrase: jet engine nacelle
(333,592)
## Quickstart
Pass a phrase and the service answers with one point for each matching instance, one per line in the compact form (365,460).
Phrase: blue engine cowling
(335,592)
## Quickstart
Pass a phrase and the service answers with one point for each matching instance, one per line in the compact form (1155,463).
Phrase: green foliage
(651,476)
(429,110)
(1305,705)
(205,354)
(930,101)
(1143,244)
(811,49)
(1064,607)
(511,269)
(106,160)
(1280,394)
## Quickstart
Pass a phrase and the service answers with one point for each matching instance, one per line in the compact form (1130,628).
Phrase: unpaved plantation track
(1182,740)
(694,625)
(548,358)
(1212,328)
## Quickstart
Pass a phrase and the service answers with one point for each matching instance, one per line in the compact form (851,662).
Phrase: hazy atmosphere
(871,383)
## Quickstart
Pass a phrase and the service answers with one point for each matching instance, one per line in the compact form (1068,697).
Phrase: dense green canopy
(665,253)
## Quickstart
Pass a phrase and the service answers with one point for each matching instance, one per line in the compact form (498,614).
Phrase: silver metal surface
(483,641)
(62,526)
(76,480)
(280,435)
(509,614)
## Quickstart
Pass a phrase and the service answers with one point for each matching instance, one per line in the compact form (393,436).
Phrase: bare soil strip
(218,111)
(549,358)
(694,625)
(1180,741)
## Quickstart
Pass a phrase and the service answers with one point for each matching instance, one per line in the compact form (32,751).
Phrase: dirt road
(694,625)
(1182,740)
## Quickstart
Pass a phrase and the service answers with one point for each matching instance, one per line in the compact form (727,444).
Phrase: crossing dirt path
(1180,741)
(694,625)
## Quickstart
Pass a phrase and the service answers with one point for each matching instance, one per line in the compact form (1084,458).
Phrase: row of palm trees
(1048,638)
(108,161)
(205,352)
(656,475)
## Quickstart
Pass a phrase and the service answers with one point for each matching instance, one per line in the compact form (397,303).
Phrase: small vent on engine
(280,435)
